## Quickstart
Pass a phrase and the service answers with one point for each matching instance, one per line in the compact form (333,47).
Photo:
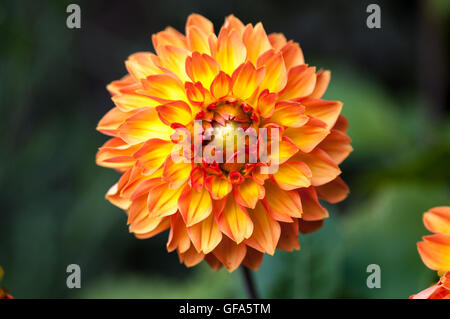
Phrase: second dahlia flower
(435,252)
(199,89)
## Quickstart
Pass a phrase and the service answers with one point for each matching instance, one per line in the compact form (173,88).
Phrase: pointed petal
(230,254)
(289,236)
(266,103)
(234,221)
(253,259)
(163,225)
(174,59)
(152,155)
(176,173)
(202,68)
(142,64)
(221,86)
(200,22)
(164,88)
(130,102)
(205,235)
(115,153)
(178,236)
(194,205)
(111,121)
(197,40)
(266,232)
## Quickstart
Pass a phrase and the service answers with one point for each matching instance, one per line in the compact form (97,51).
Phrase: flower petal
(253,259)
(163,201)
(221,86)
(142,64)
(266,231)
(175,112)
(334,191)
(276,75)
(322,166)
(292,55)
(337,145)
(202,68)
(301,81)
(256,41)
(176,173)
(230,254)
(437,220)
(231,51)
(234,221)
(281,204)
(435,251)
(289,113)
(308,136)
(246,80)
(293,175)
(152,155)
(115,153)
(219,187)
(142,126)
(322,80)
(164,88)
(194,205)
(174,59)
(248,193)
(178,236)
(205,235)
(312,210)
(326,111)
(289,236)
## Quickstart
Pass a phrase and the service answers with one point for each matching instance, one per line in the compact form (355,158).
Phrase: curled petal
(200,22)
(130,102)
(164,88)
(266,103)
(337,145)
(169,36)
(306,227)
(253,258)
(323,78)
(312,210)
(178,236)
(293,175)
(289,113)
(326,111)
(301,81)
(292,55)
(322,166)
(115,153)
(112,120)
(202,68)
(191,257)
(308,136)
(282,205)
(142,64)
(334,191)
(276,75)
(248,193)
(437,220)
(277,40)
(175,112)
(152,155)
(197,40)
(435,251)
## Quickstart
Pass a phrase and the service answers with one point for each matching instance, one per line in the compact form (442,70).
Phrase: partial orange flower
(225,208)
(3,291)
(435,252)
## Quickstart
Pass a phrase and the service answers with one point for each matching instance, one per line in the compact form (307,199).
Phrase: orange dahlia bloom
(219,208)
(435,251)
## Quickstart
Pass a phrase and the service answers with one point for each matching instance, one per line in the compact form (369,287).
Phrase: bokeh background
(394,86)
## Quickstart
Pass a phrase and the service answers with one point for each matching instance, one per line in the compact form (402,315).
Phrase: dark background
(394,86)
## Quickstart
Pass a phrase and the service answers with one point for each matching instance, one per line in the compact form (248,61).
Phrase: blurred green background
(52,93)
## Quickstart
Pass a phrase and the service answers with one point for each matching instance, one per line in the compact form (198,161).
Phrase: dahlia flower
(175,111)
(435,252)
